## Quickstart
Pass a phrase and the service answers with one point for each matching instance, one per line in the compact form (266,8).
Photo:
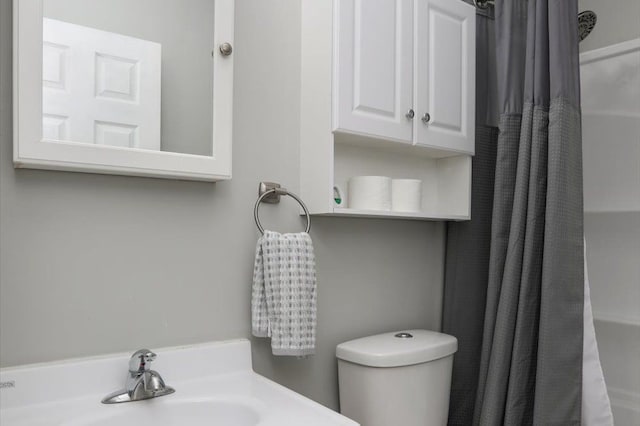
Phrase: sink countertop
(214,379)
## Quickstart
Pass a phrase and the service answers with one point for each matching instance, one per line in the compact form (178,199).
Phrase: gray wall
(618,20)
(93,264)
(186,36)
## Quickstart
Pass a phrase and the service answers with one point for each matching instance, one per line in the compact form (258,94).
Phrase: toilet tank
(399,378)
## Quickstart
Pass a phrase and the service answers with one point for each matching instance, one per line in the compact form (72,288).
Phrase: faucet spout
(140,360)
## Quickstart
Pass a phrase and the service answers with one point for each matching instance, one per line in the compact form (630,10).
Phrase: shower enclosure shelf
(388,89)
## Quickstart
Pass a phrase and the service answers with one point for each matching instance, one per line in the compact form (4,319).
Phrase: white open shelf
(446,181)
(385,214)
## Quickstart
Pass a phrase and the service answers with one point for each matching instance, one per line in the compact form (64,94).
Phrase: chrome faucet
(142,382)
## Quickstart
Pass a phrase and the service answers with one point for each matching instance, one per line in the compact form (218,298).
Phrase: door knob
(426,118)
(226,49)
(410,114)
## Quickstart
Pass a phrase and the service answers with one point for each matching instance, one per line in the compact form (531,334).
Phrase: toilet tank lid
(387,350)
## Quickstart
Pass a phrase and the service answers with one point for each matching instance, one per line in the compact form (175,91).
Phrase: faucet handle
(140,360)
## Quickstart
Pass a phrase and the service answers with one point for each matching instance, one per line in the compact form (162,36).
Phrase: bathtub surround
(611,106)
(79,250)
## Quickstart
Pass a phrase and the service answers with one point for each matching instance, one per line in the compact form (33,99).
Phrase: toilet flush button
(404,336)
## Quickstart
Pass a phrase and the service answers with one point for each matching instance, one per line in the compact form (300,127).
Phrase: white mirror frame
(31,151)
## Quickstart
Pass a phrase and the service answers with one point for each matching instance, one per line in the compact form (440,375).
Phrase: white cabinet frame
(31,151)
(332,149)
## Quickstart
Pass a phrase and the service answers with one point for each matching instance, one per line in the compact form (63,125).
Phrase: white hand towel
(283,302)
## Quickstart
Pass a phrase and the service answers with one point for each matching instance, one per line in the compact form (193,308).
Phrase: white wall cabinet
(404,71)
(388,88)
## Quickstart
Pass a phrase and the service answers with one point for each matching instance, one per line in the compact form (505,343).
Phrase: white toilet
(401,378)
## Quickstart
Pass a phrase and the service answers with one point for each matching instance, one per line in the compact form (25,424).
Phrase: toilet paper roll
(406,195)
(370,193)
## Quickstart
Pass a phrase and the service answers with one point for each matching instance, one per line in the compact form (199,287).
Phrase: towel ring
(271,194)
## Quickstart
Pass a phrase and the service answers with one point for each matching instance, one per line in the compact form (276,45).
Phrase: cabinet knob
(426,118)
(226,49)
(410,114)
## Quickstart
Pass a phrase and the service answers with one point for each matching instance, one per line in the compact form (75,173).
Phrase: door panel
(445,76)
(100,87)
(373,74)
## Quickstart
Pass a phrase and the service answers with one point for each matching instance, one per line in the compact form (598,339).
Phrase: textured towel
(283,302)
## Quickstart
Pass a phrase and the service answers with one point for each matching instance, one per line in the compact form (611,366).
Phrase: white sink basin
(193,413)
(214,385)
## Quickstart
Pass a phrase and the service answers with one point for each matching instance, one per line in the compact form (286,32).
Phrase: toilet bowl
(399,378)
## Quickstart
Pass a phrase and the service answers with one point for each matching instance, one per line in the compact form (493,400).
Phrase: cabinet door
(373,68)
(445,75)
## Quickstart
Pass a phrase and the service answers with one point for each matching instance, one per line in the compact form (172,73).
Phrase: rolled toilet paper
(406,195)
(370,193)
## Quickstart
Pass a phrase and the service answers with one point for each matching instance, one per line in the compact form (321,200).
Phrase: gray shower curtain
(529,290)
(469,243)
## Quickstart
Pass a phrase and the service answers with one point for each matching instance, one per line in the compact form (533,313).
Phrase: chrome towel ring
(270,192)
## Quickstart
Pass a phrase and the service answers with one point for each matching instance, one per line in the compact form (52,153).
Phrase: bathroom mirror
(136,87)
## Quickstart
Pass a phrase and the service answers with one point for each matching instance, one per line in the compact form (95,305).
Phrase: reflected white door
(445,77)
(374,68)
(100,87)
